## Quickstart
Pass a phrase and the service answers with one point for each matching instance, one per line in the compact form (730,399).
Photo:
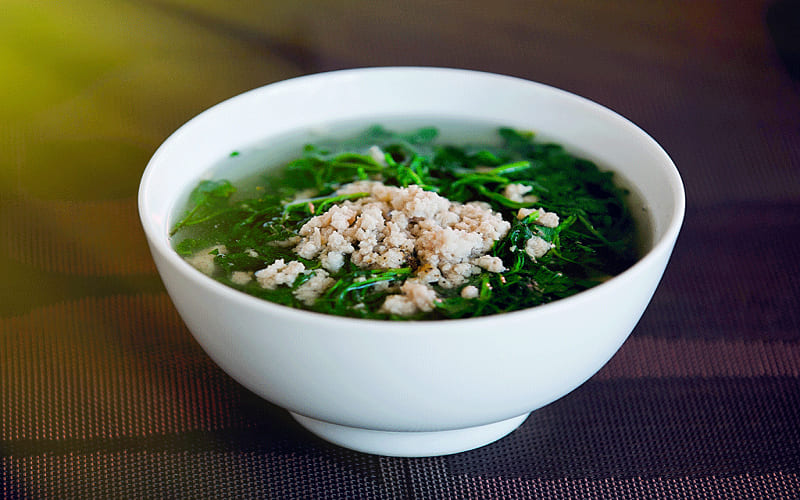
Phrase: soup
(409,223)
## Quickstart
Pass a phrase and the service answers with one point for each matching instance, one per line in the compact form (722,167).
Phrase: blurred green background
(88,91)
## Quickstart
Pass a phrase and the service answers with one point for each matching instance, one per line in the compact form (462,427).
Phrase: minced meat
(392,227)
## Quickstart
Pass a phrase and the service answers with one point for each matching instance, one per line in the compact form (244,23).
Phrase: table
(104,393)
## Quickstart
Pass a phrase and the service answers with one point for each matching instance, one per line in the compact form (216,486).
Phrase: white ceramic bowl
(410,388)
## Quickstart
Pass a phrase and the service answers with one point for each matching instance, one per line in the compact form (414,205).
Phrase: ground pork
(394,226)
(517,192)
(536,247)
(279,273)
(315,286)
(491,264)
(470,292)
(203,260)
(241,277)
(414,296)
(547,219)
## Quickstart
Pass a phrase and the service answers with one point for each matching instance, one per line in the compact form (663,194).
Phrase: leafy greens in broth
(595,237)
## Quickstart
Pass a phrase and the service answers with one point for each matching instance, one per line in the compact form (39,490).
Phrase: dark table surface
(104,393)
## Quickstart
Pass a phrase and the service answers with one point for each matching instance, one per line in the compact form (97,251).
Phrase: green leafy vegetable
(208,200)
(595,237)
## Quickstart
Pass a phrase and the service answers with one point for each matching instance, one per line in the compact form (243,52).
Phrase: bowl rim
(160,242)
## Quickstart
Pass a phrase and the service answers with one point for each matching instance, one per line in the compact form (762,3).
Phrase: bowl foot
(410,444)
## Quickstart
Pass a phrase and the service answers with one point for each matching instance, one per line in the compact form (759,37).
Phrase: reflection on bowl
(411,388)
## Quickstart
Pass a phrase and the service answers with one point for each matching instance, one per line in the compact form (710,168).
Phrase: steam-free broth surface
(414,224)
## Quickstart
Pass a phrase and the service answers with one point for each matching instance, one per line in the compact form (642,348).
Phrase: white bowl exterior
(420,376)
